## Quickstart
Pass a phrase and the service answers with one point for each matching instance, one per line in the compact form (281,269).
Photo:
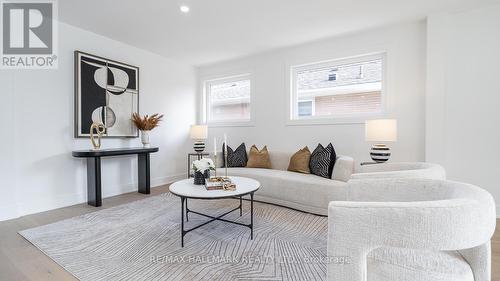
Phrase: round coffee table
(186,189)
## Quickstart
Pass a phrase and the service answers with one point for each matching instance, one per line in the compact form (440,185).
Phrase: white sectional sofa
(304,192)
(311,193)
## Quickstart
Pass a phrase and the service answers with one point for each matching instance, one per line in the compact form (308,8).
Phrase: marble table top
(186,188)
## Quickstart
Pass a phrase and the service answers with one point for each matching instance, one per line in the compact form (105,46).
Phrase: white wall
(36,119)
(463,97)
(405,47)
(7,146)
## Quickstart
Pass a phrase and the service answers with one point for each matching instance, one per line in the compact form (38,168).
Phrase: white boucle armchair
(411,230)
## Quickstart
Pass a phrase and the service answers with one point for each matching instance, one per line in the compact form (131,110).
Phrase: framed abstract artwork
(106,92)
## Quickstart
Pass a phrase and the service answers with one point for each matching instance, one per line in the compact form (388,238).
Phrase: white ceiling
(216,30)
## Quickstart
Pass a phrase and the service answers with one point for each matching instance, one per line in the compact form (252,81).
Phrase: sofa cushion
(322,161)
(417,265)
(258,159)
(343,169)
(280,159)
(305,192)
(236,158)
(299,162)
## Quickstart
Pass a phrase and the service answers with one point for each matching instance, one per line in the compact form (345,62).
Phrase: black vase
(199,177)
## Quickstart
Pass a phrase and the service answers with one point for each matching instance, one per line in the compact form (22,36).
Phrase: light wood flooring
(19,260)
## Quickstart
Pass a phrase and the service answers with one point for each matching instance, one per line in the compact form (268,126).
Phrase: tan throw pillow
(299,162)
(258,159)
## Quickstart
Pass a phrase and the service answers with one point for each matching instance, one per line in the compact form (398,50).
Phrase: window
(306,108)
(342,88)
(333,75)
(228,99)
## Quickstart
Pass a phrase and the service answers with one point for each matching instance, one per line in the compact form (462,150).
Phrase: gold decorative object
(229,187)
(100,129)
(220,179)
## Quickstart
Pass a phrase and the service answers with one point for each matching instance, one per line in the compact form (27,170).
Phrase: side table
(94,196)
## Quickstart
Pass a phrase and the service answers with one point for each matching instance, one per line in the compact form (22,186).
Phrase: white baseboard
(47,203)
(8,212)
(166,180)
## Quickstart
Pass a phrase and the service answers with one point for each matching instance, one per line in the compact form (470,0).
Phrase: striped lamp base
(380,153)
(199,146)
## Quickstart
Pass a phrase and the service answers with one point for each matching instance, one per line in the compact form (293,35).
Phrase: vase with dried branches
(145,125)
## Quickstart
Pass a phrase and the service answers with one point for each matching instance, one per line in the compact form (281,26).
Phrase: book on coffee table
(214,185)
(219,183)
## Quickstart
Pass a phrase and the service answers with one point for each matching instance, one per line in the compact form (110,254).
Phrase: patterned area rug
(141,241)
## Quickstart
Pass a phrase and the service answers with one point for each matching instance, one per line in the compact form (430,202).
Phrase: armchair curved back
(456,209)
(409,213)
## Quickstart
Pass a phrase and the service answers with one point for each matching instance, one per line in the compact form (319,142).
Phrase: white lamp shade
(381,130)
(199,132)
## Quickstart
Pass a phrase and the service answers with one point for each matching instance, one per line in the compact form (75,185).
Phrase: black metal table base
(185,212)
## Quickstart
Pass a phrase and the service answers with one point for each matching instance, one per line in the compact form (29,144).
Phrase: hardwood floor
(20,261)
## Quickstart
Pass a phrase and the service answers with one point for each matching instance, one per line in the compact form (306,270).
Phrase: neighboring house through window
(341,88)
(228,99)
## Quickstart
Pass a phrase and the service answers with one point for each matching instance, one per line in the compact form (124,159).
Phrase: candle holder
(225,161)
(215,165)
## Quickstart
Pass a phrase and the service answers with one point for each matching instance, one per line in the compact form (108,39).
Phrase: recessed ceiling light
(184,9)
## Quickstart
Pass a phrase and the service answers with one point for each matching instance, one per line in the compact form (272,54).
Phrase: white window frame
(292,110)
(206,101)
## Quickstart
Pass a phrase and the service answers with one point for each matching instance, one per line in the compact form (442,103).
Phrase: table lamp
(199,135)
(381,130)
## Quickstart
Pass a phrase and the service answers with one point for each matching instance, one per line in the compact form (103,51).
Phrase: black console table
(94,196)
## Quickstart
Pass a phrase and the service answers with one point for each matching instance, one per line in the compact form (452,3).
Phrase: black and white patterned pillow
(236,158)
(322,161)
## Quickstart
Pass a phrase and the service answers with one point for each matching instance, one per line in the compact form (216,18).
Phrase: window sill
(332,120)
(232,124)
